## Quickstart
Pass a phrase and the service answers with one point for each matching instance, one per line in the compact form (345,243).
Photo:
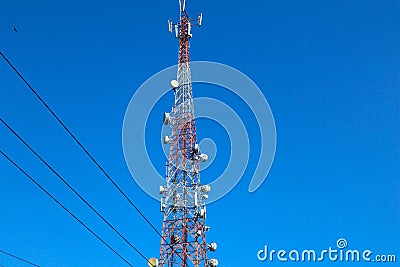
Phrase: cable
(18,258)
(84,149)
(80,144)
(72,189)
(66,209)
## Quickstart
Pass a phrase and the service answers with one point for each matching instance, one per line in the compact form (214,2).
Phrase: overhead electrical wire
(18,258)
(83,148)
(80,144)
(65,208)
(72,189)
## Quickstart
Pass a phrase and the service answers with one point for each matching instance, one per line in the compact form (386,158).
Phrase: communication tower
(184,230)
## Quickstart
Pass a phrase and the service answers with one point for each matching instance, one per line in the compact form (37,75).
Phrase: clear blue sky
(330,71)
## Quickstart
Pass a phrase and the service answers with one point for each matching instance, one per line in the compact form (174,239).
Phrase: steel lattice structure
(183,240)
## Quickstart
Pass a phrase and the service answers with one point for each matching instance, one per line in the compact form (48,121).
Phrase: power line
(84,149)
(18,258)
(80,144)
(72,189)
(62,206)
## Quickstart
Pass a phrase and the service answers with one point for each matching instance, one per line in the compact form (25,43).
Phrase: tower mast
(183,240)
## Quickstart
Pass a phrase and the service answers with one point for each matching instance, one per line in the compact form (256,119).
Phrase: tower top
(182,5)
(185,22)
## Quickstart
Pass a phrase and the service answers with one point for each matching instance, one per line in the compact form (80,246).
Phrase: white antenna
(170,25)
(190,29)
(195,199)
(176,31)
(200,18)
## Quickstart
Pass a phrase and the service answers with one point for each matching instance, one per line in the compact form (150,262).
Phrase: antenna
(200,19)
(189,27)
(176,30)
(170,25)
(182,5)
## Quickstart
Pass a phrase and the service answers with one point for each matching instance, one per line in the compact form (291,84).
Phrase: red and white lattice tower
(183,240)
